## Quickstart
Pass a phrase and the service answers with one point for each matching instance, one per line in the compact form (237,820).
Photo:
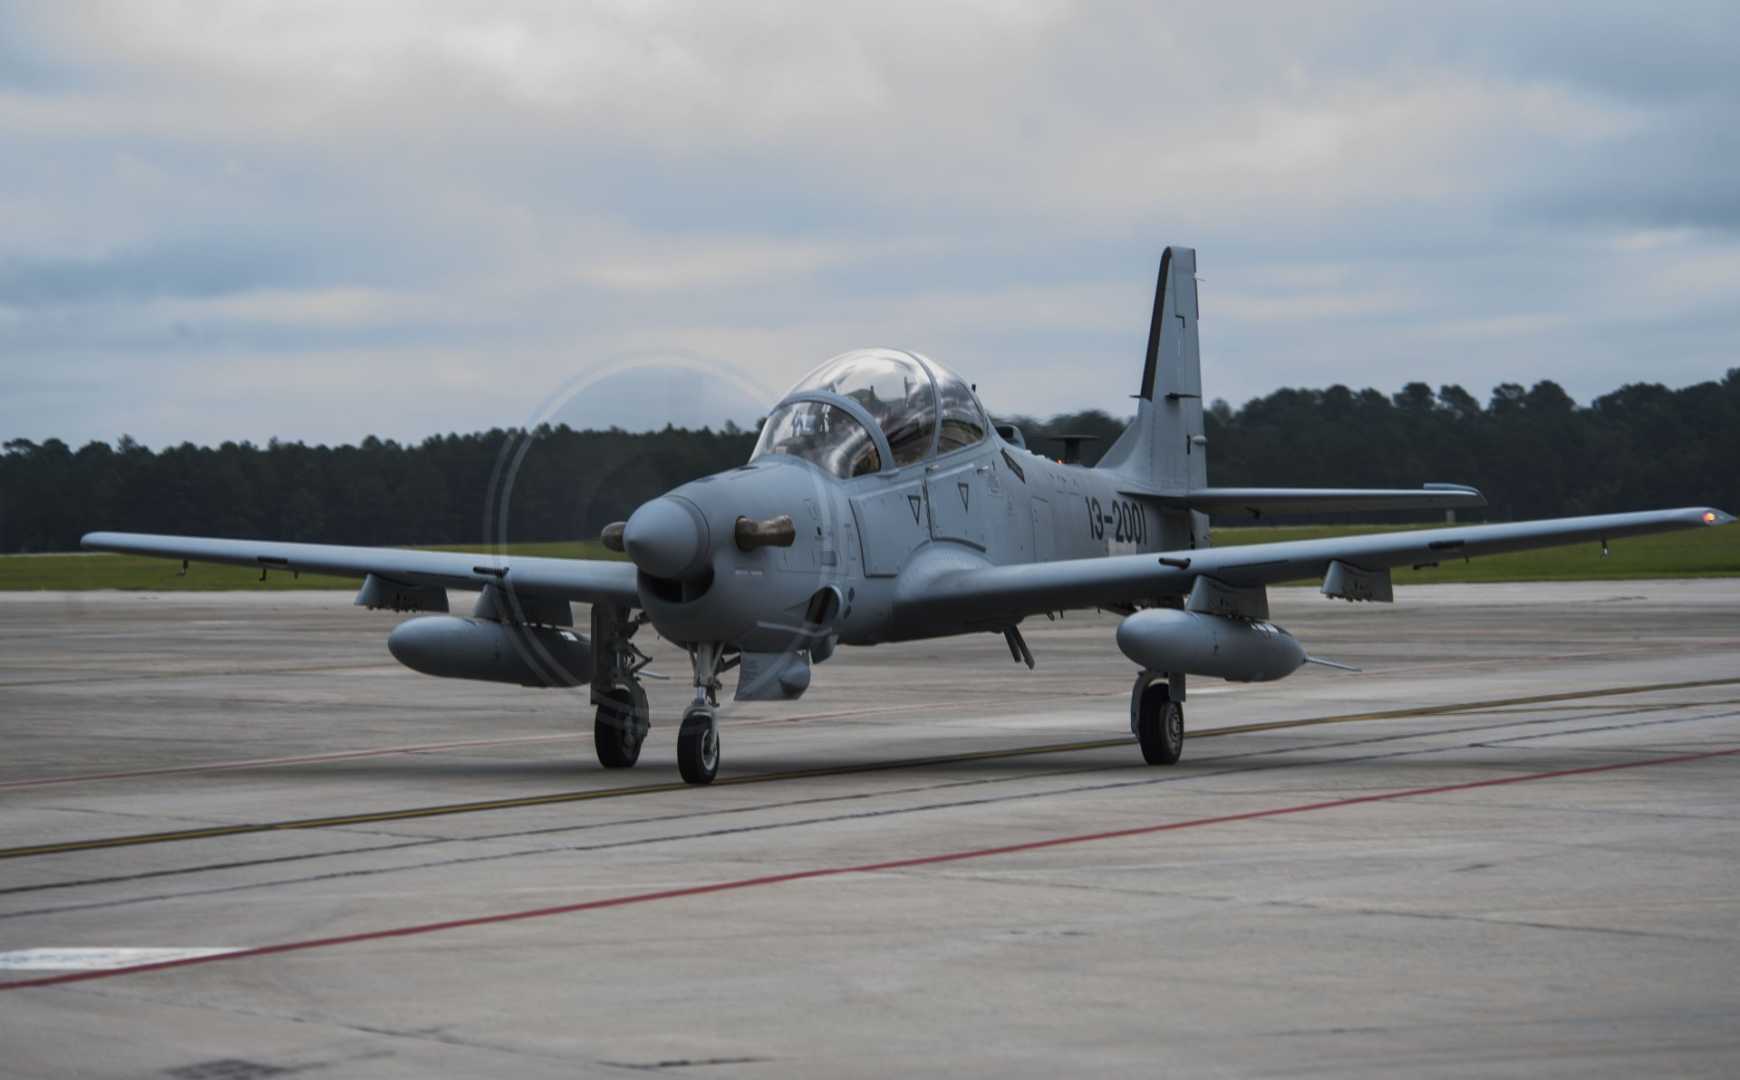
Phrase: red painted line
(860,868)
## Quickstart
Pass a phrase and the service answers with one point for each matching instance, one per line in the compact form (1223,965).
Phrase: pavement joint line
(818,873)
(301,759)
(216,673)
(594,794)
(1151,777)
(466,744)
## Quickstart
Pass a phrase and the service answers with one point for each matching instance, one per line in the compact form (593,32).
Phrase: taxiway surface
(1512,844)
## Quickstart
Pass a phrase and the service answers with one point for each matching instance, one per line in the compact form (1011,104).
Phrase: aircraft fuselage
(990,504)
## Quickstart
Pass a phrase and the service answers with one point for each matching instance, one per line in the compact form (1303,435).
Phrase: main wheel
(621,726)
(1159,725)
(698,745)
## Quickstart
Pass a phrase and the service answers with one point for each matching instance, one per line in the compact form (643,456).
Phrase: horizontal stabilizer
(1258,502)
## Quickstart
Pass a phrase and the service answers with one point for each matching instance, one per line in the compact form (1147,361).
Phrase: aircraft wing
(585,580)
(1260,501)
(954,589)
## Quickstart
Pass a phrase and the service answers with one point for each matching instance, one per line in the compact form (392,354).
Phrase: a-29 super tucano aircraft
(881,505)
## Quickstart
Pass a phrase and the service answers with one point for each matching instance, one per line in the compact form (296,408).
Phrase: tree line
(1534,452)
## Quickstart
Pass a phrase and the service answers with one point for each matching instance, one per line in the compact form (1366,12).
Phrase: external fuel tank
(1239,650)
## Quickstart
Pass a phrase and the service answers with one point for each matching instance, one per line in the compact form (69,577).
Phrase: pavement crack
(436,1034)
(1487,920)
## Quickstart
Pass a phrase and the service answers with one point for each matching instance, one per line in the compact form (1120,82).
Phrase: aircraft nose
(667,538)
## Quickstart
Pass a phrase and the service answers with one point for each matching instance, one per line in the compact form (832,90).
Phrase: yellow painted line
(339,820)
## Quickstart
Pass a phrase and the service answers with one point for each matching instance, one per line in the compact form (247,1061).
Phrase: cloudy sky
(315,221)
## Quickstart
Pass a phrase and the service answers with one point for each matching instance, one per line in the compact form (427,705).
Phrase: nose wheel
(698,738)
(698,745)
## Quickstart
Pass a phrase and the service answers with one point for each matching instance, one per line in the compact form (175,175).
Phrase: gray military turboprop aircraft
(881,505)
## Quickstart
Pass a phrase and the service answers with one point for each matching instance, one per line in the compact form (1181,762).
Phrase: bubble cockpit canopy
(904,394)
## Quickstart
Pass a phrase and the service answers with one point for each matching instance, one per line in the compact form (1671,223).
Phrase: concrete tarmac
(1511,845)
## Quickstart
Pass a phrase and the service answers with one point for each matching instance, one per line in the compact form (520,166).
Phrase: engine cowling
(1239,650)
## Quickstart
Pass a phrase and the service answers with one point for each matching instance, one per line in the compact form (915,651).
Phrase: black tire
(698,746)
(1159,726)
(620,726)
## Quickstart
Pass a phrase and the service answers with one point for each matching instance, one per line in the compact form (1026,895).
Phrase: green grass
(1689,554)
(1692,553)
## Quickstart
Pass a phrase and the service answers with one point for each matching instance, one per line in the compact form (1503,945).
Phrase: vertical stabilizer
(1163,448)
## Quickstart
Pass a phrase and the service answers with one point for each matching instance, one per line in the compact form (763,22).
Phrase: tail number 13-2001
(1126,521)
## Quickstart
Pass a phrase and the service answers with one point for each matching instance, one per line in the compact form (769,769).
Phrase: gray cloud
(1682,172)
(238,221)
(189,269)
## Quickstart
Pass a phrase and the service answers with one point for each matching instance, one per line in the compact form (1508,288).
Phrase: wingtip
(1713,516)
(1469,496)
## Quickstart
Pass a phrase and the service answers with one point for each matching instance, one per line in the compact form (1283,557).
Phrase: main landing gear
(1157,717)
(621,724)
(623,719)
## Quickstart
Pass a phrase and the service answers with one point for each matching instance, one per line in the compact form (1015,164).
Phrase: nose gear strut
(698,738)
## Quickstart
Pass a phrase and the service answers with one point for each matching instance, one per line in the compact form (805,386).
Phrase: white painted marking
(85,959)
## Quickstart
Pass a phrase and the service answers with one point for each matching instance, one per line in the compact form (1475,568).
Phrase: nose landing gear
(698,738)
(698,745)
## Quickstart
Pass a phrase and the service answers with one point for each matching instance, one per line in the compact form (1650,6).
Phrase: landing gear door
(959,503)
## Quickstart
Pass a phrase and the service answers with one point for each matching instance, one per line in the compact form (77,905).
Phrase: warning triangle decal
(915,502)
